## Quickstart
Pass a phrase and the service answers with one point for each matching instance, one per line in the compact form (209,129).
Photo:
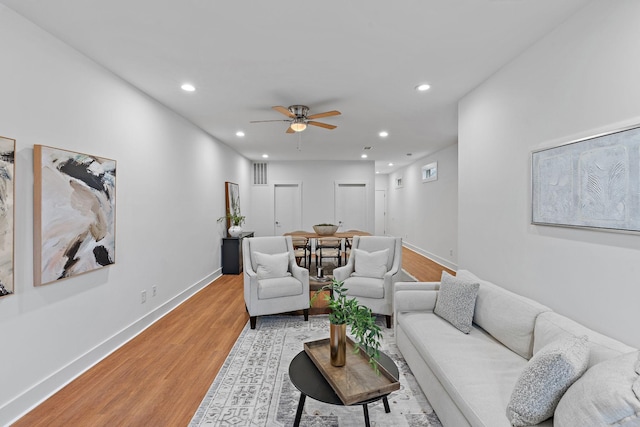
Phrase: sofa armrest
(415,296)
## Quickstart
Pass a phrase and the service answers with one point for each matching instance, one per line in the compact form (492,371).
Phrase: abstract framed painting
(74,213)
(7,214)
(593,183)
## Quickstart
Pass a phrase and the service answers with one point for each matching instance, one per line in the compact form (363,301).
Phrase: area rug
(253,386)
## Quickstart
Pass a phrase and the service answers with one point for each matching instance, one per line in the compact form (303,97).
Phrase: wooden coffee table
(306,377)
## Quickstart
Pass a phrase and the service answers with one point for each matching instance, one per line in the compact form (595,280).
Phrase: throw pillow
(272,265)
(608,394)
(370,264)
(545,378)
(456,301)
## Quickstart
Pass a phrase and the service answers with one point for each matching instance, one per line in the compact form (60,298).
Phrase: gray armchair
(273,281)
(370,279)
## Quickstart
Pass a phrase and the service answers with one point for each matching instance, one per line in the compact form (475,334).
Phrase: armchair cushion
(272,265)
(370,264)
(368,287)
(278,287)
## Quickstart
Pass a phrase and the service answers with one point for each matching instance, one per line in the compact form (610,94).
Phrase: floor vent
(260,174)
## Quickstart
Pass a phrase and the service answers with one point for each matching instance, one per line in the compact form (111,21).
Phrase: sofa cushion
(370,264)
(279,287)
(456,301)
(367,287)
(270,266)
(509,317)
(607,394)
(477,372)
(544,380)
(377,243)
(552,326)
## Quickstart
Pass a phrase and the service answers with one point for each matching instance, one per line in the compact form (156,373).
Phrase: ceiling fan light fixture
(298,125)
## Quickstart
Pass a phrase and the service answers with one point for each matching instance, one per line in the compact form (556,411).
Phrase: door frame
(275,184)
(365,183)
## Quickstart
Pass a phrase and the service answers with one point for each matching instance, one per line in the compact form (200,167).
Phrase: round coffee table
(306,377)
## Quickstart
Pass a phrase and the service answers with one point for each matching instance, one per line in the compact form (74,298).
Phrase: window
(430,172)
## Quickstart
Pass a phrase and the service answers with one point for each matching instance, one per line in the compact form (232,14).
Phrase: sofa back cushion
(552,326)
(508,317)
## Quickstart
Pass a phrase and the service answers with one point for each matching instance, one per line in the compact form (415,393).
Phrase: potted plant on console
(347,311)
(235,219)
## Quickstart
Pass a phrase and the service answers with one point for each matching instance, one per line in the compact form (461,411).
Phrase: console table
(232,253)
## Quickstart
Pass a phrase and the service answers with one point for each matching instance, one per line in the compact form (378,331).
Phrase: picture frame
(74,213)
(7,215)
(592,182)
(232,199)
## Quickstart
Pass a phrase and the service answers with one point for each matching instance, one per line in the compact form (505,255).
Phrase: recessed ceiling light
(422,87)
(390,164)
(364,156)
(239,133)
(188,87)
(377,171)
(384,134)
(265,156)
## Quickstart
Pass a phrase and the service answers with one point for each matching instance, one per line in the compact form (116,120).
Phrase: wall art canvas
(74,213)
(232,197)
(7,190)
(594,182)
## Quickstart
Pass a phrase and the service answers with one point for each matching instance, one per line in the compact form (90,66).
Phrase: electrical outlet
(154,290)
(451,252)
(143,297)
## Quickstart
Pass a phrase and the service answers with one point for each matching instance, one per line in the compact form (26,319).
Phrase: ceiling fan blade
(322,125)
(289,130)
(283,110)
(264,121)
(325,114)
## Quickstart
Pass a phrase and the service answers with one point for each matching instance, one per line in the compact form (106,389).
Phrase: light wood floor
(160,377)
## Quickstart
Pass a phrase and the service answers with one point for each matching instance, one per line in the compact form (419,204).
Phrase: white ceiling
(363,58)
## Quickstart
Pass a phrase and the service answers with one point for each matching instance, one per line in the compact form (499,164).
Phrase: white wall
(425,214)
(170,190)
(318,180)
(578,81)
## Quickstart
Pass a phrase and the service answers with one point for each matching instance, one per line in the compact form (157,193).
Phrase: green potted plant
(235,218)
(347,311)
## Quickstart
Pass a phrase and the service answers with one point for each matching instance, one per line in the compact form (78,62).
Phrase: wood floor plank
(160,377)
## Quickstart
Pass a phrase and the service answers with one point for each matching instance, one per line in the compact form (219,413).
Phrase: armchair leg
(306,314)
(252,321)
(388,317)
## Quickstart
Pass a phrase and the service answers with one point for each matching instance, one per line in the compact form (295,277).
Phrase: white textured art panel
(593,182)
(7,174)
(74,214)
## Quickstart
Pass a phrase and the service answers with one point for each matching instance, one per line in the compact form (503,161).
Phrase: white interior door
(288,208)
(381,213)
(351,206)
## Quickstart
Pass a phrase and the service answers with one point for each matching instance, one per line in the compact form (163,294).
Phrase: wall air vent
(260,173)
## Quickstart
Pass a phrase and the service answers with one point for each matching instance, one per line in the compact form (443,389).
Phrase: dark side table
(309,380)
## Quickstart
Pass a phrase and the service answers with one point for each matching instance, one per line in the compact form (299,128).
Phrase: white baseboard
(34,396)
(435,258)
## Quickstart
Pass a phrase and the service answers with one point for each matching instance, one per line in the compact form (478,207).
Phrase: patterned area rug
(253,386)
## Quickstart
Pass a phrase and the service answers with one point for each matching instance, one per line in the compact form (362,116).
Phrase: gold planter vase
(338,344)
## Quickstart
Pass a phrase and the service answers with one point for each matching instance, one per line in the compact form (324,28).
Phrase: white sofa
(469,378)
